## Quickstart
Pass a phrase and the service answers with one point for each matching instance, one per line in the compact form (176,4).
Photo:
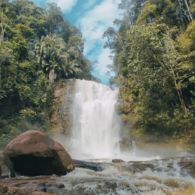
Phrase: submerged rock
(34,153)
(88,165)
(189,165)
(117,161)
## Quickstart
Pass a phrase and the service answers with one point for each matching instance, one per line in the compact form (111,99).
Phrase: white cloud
(65,5)
(89,4)
(104,58)
(93,24)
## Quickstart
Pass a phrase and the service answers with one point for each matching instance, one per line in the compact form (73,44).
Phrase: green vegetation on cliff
(155,63)
(37,48)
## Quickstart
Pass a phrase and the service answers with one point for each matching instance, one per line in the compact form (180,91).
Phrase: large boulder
(34,153)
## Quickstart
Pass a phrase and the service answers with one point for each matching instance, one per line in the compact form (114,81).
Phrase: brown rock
(117,161)
(189,165)
(34,153)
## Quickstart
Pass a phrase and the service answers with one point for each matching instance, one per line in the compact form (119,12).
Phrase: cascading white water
(95,131)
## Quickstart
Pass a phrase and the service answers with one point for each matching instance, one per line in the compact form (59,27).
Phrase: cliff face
(63,96)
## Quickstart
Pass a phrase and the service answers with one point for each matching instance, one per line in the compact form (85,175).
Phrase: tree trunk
(2,27)
(1,39)
(184,6)
(179,92)
(188,10)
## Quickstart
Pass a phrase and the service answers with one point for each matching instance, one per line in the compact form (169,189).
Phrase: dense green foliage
(155,64)
(37,48)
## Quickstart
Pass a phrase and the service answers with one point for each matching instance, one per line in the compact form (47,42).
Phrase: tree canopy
(37,48)
(155,65)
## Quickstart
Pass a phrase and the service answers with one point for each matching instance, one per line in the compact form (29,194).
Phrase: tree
(53,54)
(155,64)
(131,10)
(151,79)
(37,48)
(54,18)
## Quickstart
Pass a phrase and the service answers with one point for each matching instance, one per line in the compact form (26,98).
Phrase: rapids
(156,177)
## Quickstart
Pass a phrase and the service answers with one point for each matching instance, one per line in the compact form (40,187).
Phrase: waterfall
(95,130)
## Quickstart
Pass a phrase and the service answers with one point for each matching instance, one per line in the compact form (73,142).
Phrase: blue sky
(92,18)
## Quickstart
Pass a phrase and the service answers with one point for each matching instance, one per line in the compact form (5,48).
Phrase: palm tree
(52,53)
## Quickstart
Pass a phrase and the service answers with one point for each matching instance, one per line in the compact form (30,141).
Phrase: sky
(92,18)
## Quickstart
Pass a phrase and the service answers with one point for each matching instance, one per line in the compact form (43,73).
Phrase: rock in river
(34,153)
